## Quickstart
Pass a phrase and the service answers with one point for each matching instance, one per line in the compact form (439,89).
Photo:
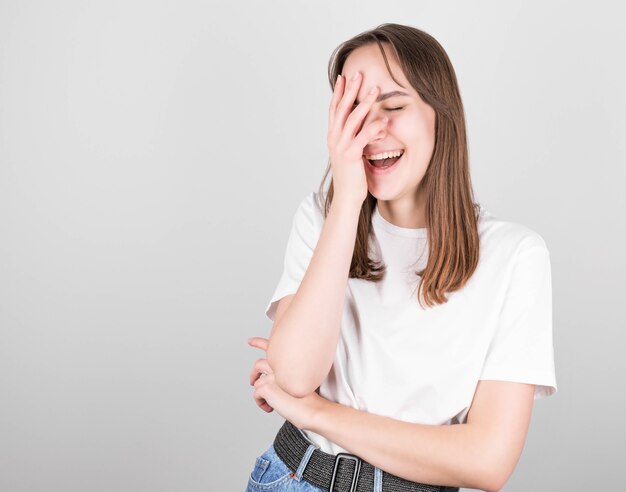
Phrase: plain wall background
(152,155)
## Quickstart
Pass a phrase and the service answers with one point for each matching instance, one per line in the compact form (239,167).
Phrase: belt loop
(305,460)
(378,479)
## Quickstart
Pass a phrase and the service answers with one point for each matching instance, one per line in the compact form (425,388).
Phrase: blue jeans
(271,473)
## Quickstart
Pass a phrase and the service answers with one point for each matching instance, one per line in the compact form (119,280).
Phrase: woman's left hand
(299,411)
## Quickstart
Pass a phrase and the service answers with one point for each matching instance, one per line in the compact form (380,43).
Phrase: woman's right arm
(303,340)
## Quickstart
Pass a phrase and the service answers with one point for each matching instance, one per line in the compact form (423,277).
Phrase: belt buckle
(355,476)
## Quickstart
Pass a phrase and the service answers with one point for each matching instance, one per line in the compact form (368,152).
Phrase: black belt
(342,472)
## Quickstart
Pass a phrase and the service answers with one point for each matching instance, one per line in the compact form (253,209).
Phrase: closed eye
(386,109)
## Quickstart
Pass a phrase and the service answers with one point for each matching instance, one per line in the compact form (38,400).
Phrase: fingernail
(373,89)
(355,76)
(338,79)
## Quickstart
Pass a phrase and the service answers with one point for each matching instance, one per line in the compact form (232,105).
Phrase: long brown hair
(451,213)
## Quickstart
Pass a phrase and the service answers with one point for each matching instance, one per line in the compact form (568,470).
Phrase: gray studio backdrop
(152,155)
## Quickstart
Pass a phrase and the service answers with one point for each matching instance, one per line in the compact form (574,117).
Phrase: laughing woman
(412,328)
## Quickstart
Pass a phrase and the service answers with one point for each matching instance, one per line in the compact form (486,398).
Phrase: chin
(383,195)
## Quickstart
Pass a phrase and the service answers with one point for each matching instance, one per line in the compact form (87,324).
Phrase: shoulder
(311,207)
(309,214)
(507,240)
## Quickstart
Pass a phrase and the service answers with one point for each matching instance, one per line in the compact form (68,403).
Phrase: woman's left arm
(481,453)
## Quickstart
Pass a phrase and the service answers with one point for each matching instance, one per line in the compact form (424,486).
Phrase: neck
(403,213)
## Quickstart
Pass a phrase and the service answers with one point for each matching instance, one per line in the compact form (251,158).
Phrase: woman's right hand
(345,146)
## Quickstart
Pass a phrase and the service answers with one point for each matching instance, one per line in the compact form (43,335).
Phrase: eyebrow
(382,97)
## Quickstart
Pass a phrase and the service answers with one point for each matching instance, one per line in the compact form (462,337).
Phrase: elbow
(495,488)
(491,488)
(493,459)
(289,380)
(498,480)
(488,481)
(289,385)
(494,474)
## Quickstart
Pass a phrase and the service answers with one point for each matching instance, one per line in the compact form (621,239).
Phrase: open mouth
(384,163)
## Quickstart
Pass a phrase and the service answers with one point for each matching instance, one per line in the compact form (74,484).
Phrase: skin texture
(481,453)
(411,128)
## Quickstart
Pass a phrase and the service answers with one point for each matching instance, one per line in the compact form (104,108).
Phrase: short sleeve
(521,349)
(305,232)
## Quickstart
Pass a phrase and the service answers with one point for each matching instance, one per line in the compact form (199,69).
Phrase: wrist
(347,203)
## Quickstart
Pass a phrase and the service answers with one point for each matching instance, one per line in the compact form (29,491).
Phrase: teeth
(384,155)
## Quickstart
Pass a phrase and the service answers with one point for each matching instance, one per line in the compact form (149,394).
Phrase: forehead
(370,62)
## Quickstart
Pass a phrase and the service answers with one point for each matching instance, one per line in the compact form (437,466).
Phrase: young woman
(412,328)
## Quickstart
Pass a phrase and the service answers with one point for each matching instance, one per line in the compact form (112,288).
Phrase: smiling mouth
(384,163)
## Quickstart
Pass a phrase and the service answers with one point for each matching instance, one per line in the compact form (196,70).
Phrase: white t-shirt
(397,359)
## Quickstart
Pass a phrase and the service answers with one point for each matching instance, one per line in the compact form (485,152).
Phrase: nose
(372,116)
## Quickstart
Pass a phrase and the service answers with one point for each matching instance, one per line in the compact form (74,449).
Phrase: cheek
(428,122)
(413,126)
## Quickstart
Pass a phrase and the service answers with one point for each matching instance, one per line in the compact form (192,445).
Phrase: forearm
(451,455)
(303,342)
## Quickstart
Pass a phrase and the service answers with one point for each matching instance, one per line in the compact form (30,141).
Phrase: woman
(412,328)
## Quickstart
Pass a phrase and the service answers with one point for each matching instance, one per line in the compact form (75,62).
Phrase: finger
(260,366)
(264,366)
(346,103)
(358,114)
(255,373)
(368,132)
(260,381)
(262,403)
(337,92)
(265,406)
(258,342)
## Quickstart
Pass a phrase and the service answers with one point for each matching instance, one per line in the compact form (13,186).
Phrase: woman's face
(411,127)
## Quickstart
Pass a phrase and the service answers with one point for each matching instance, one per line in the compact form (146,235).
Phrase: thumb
(258,342)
